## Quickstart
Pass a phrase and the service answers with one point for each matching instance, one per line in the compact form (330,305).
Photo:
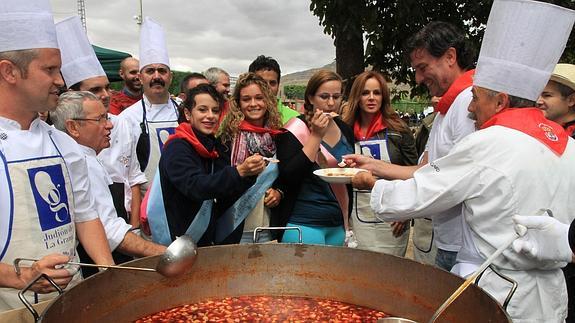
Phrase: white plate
(337,175)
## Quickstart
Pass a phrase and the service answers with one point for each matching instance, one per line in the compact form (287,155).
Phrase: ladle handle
(471,278)
(18,260)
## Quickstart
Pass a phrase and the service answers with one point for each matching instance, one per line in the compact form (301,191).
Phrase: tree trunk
(349,52)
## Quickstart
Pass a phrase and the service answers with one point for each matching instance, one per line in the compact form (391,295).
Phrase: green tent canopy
(110,60)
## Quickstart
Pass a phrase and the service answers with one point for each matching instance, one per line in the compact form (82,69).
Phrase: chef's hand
(319,122)
(544,238)
(363,181)
(398,228)
(364,162)
(252,166)
(46,265)
(272,198)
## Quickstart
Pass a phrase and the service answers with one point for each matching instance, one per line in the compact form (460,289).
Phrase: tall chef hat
(522,43)
(26,25)
(153,48)
(79,62)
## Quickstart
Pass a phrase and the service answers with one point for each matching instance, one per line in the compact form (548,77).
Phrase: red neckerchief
(461,83)
(531,122)
(570,128)
(375,126)
(184,131)
(246,126)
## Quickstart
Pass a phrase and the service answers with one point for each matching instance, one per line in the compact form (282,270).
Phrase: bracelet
(280,191)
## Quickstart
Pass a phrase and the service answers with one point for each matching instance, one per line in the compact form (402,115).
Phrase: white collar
(88,151)
(9,124)
(150,105)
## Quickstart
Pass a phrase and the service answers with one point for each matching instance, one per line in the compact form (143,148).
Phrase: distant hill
(302,77)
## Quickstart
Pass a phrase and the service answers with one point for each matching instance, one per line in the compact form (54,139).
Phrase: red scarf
(375,126)
(531,122)
(184,131)
(246,126)
(461,83)
(570,129)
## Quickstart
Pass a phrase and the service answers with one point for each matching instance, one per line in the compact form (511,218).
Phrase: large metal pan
(398,286)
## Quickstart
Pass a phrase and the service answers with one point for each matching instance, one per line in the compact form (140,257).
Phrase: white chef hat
(522,43)
(26,25)
(79,62)
(153,48)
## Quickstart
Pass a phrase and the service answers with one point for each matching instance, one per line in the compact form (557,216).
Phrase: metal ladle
(177,260)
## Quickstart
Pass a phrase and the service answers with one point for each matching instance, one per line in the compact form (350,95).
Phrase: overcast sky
(203,33)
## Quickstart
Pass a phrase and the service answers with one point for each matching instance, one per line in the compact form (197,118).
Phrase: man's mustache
(158,82)
(472,116)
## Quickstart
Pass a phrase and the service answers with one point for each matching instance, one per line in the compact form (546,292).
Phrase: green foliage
(294,91)
(176,80)
(388,24)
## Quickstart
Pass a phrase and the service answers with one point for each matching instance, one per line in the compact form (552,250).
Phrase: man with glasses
(115,166)
(155,116)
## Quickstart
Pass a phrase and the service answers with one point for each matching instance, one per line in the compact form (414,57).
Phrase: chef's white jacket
(115,227)
(494,173)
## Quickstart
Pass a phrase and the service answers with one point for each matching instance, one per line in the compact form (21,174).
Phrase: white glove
(543,238)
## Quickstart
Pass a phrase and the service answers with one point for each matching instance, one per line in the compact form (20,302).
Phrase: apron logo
(3,136)
(49,190)
(163,134)
(548,132)
(370,149)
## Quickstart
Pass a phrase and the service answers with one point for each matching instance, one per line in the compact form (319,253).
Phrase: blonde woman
(250,128)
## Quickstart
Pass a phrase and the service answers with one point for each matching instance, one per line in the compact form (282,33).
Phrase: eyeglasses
(101,119)
(327,96)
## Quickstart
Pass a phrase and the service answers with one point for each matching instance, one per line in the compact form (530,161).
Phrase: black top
(294,167)
(187,181)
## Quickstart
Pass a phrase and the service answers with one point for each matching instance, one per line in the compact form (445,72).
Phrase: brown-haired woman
(319,209)
(249,128)
(381,134)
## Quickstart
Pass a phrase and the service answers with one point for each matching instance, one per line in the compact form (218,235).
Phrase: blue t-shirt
(316,204)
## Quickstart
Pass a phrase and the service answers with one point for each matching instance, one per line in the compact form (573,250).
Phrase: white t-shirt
(448,130)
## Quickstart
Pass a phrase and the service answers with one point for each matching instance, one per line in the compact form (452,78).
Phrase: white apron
(370,232)
(158,132)
(41,216)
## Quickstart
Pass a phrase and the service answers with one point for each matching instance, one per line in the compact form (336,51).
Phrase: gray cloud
(203,33)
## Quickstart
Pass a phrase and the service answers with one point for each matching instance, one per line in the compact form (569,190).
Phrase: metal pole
(140,17)
(82,13)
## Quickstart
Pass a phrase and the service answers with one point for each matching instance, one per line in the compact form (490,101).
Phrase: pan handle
(25,301)
(260,229)
(509,280)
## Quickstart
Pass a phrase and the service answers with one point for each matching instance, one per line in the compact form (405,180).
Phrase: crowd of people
(126,173)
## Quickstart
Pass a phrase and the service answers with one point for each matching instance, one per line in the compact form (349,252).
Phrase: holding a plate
(315,140)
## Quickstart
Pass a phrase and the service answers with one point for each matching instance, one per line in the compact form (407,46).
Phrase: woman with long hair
(249,128)
(195,174)
(380,133)
(317,139)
